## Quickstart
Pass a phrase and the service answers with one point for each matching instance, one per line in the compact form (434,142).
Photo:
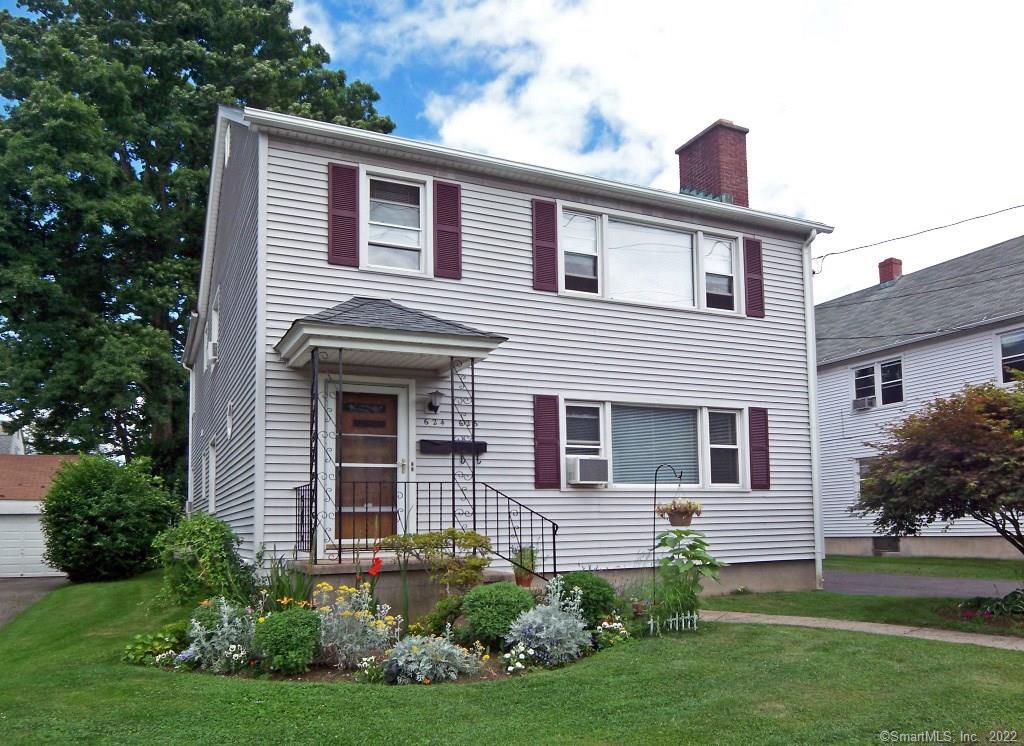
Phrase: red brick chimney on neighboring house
(889,270)
(714,163)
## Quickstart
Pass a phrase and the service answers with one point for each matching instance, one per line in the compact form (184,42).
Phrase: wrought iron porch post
(314,449)
(338,486)
(451,397)
(472,432)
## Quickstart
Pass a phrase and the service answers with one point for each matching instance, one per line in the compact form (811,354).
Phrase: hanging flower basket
(679,512)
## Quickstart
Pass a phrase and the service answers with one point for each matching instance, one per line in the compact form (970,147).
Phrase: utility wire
(826,255)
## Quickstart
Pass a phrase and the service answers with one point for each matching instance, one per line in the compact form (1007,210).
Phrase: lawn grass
(918,612)
(945,567)
(61,680)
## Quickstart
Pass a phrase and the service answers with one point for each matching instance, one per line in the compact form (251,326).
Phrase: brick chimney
(889,270)
(714,163)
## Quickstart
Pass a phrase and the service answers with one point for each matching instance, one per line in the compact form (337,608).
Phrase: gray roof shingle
(378,313)
(985,285)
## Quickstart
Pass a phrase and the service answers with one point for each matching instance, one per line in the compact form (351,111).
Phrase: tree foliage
(104,166)
(961,456)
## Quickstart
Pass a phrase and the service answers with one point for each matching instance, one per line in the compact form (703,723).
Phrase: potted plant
(679,512)
(524,560)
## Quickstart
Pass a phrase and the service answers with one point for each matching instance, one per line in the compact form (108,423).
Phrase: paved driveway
(17,594)
(882,584)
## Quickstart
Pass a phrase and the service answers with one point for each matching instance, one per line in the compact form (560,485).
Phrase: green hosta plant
(158,647)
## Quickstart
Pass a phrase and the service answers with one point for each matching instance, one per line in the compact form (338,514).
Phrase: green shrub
(200,559)
(145,650)
(445,612)
(598,595)
(99,518)
(286,641)
(490,609)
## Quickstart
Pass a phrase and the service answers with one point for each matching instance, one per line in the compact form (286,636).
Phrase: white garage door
(21,546)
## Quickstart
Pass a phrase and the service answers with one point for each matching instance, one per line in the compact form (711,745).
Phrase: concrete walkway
(17,594)
(895,630)
(883,584)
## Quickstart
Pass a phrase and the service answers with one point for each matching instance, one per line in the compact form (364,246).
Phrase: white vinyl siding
(231,384)
(927,370)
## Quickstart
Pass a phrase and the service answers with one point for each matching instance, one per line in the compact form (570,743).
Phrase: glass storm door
(370,463)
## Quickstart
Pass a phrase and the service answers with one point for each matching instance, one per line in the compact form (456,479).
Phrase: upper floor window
(881,381)
(1012,354)
(396,225)
(646,263)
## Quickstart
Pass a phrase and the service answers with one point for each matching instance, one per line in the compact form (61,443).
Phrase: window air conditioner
(863,403)
(586,470)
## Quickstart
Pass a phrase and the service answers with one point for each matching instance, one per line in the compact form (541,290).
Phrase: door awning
(377,333)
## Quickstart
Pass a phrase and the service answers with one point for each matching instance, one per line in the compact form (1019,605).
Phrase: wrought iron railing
(357,514)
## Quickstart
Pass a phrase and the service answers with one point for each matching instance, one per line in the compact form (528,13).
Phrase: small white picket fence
(679,623)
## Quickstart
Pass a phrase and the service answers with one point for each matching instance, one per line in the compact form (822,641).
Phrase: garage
(24,481)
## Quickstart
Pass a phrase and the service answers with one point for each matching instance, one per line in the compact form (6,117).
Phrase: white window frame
(709,446)
(703,442)
(697,233)
(604,445)
(425,185)
(877,367)
(856,469)
(212,332)
(211,476)
(999,354)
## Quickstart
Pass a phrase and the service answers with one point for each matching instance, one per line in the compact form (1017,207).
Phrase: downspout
(812,393)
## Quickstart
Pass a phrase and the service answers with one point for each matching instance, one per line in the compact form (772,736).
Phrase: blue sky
(879,118)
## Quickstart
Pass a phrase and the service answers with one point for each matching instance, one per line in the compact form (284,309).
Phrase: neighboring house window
(583,429)
(396,225)
(723,440)
(884,381)
(719,277)
(646,263)
(211,477)
(579,238)
(892,381)
(863,470)
(1012,354)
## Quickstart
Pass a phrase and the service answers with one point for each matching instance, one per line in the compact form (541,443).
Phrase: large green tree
(104,166)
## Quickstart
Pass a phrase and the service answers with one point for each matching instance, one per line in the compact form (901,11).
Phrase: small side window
(725,448)
(395,225)
(583,429)
(578,237)
(719,278)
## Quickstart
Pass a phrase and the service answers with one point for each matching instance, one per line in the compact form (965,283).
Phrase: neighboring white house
(24,481)
(518,349)
(885,351)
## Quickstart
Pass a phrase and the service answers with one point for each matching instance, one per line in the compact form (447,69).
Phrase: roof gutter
(428,152)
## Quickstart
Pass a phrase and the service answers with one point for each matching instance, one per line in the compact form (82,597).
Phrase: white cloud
(880,118)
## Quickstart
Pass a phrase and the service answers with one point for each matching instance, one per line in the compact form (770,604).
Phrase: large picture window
(644,437)
(647,262)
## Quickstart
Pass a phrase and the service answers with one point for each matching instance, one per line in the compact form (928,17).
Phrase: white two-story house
(887,350)
(397,336)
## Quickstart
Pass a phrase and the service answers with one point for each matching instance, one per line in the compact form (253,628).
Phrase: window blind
(644,437)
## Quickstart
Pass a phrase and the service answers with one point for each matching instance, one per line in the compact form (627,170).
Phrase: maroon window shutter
(343,218)
(753,277)
(760,463)
(545,246)
(447,230)
(547,446)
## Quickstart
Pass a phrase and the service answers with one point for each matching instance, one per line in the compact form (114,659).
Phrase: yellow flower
(346,613)
(284,601)
(261,619)
(486,657)
(389,619)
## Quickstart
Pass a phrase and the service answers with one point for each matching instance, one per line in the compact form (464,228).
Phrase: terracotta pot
(680,519)
(639,609)
(524,580)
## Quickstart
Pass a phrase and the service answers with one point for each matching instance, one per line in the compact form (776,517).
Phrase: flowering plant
(518,658)
(679,506)
(352,624)
(369,671)
(555,630)
(611,631)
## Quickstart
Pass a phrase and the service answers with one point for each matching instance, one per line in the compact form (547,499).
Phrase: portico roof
(375,332)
